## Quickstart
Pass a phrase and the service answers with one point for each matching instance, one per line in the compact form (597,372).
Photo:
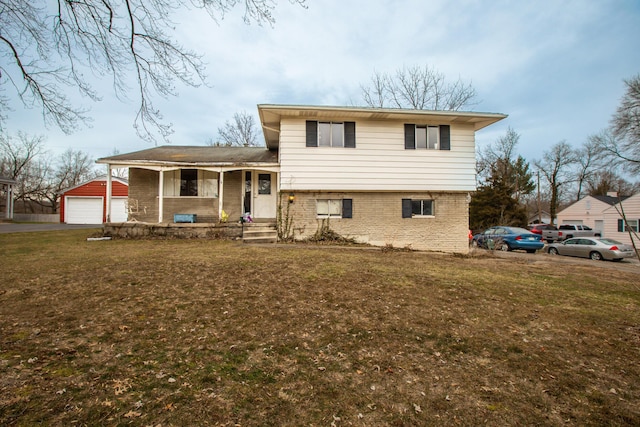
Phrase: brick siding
(377,220)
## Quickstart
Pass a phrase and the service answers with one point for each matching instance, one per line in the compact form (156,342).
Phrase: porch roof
(194,156)
(6,180)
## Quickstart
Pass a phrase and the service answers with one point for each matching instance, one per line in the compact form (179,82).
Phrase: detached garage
(87,204)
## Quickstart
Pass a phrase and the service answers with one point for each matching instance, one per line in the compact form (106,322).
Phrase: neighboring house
(381,176)
(589,211)
(542,217)
(614,225)
(6,187)
(87,203)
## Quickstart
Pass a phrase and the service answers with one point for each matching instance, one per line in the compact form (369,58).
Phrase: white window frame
(333,208)
(427,143)
(422,202)
(335,129)
(631,224)
(207,184)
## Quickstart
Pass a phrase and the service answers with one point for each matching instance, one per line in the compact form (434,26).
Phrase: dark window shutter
(406,208)
(312,133)
(445,137)
(350,134)
(347,208)
(409,137)
(620,226)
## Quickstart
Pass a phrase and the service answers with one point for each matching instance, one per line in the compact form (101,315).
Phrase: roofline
(4,180)
(133,163)
(380,110)
(98,178)
(271,126)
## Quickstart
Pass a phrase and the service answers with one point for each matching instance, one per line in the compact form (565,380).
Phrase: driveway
(542,258)
(9,227)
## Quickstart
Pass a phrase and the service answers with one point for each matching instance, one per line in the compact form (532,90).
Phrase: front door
(264,194)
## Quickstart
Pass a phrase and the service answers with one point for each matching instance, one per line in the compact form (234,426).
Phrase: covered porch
(198,184)
(6,192)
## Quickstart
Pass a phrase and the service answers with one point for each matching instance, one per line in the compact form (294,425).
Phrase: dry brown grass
(197,332)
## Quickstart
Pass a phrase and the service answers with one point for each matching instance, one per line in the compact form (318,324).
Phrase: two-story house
(381,176)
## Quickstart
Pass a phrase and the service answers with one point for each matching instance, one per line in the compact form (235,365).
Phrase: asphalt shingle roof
(196,155)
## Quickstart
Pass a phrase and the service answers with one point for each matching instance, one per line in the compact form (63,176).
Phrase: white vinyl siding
(631,208)
(585,211)
(379,162)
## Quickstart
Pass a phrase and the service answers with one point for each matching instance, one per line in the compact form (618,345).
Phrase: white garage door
(119,210)
(84,210)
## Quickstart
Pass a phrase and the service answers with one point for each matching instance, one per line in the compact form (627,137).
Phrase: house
(542,217)
(589,211)
(6,189)
(380,176)
(614,224)
(87,203)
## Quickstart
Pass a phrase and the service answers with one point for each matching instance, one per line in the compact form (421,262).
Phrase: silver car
(595,248)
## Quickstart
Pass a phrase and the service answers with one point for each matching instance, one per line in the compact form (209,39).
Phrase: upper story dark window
(331,134)
(427,137)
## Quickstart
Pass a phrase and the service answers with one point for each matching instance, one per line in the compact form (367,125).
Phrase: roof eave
(271,116)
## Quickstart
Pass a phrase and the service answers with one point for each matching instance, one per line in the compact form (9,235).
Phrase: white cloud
(555,67)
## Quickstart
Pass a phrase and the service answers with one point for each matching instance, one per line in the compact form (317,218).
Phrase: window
(331,134)
(417,208)
(264,183)
(427,137)
(632,225)
(189,182)
(334,208)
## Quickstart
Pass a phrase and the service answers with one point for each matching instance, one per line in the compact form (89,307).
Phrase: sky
(556,68)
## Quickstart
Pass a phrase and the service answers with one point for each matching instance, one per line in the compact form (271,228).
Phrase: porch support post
(10,201)
(108,193)
(220,194)
(160,195)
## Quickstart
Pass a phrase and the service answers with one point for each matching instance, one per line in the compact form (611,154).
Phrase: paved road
(6,227)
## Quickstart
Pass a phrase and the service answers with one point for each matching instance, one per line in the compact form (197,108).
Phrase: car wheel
(596,256)
(504,247)
(474,243)
(553,251)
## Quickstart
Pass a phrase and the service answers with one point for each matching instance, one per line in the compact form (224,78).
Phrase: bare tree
(40,178)
(23,159)
(242,132)
(607,181)
(73,168)
(419,88)
(47,47)
(556,167)
(622,141)
(587,164)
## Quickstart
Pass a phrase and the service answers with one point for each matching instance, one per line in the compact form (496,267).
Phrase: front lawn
(203,332)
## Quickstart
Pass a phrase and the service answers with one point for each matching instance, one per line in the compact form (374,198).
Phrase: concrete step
(259,233)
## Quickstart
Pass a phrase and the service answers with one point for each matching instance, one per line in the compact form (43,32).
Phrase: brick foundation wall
(377,220)
(143,190)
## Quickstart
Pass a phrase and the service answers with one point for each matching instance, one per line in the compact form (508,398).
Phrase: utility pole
(539,211)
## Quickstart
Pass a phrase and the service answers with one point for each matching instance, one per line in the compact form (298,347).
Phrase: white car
(596,248)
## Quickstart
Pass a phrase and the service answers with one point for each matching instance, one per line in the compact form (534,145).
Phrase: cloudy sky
(555,67)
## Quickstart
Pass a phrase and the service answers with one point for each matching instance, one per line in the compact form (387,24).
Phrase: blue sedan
(508,239)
